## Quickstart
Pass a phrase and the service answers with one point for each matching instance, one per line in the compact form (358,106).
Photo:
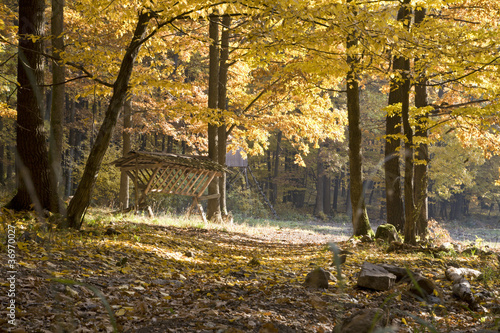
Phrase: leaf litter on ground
(156,278)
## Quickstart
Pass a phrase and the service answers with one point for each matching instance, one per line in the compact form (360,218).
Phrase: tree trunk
(327,198)
(274,197)
(33,171)
(336,194)
(127,146)
(57,105)
(393,195)
(409,202)
(421,176)
(360,221)
(82,197)
(222,104)
(213,207)
(269,173)
(318,207)
(71,152)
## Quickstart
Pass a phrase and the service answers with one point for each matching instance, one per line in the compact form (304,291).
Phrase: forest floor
(144,276)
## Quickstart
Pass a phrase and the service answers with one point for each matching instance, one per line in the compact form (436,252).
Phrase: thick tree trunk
(127,146)
(360,221)
(394,200)
(33,170)
(82,197)
(393,195)
(421,176)
(409,202)
(57,106)
(213,207)
(222,104)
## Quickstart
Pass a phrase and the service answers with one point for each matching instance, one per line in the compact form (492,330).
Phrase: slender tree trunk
(360,221)
(71,152)
(422,150)
(127,146)
(327,198)
(336,194)
(269,173)
(57,106)
(213,207)
(318,207)
(33,170)
(274,197)
(81,200)
(222,104)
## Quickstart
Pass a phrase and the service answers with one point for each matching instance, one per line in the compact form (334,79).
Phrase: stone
(424,287)
(318,278)
(400,272)
(364,321)
(375,277)
(388,233)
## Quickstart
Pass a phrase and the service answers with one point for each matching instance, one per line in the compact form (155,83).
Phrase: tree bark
(213,206)
(33,171)
(336,194)
(318,207)
(222,104)
(421,176)
(393,195)
(57,106)
(71,152)
(82,197)
(127,146)
(409,202)
(360,221)
(327,197)
(274,197)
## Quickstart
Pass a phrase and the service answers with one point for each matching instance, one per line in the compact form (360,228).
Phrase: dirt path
(484,232)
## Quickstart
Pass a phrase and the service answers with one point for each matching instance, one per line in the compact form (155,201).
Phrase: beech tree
(34,186)
(360,221)
(57,97)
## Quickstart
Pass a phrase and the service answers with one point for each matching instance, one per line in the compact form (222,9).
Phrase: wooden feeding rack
(170,173)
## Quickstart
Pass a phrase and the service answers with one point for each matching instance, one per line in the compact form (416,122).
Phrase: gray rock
(318,278)
(400,272)
(364,321)
(423,287)
(387,232)
(375,277)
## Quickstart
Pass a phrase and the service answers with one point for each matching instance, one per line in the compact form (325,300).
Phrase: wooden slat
(209,179)
(178,181)
(142,166)
(190,187)
(200,184)
(151,181)
(173,179)
(166,179)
